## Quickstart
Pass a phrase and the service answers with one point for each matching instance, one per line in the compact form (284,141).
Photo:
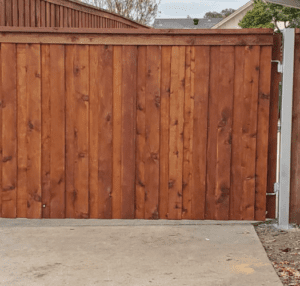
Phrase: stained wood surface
(13,14)
(140,133)
(126,131)
(152,132)
(164,132)
(9,132)
(199,140)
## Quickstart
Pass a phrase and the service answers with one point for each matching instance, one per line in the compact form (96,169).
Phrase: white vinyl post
(286,128)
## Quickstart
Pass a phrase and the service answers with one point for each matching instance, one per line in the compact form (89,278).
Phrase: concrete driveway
(132,252)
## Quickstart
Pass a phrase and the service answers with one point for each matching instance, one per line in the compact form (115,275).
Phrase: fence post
(286,127)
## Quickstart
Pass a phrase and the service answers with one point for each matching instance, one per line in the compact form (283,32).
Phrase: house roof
(238,11)
(286,3)
(184,23)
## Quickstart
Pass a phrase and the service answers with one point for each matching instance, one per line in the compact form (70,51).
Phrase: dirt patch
(283,250)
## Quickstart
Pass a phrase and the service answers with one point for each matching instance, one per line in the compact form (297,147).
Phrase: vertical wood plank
(152,132)
(57,131)
(52,15)
(105,163)
(295,170)
(15,13)
(38,13)
(164,131)
(21,8)
(140,133)
(32,13)
(72,18)
(83,20)
(86,20)
(95,84)
(43,13)
(224,132)
(212,132)
(46,130)
(71,132)
(201,67)
(236,157)
(48,13)
(1,123)
(9,135)
(79,19)
(176,131)
(56,16)
(77,73)
(22,130)
(8,13)
(249,130)
(187,179)
(61,16)
(65,19)
(129,66)
(262,132)
(2,12)
(117,131)
(33,91)
(69,18)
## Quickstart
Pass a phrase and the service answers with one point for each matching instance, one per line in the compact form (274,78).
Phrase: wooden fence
(59,13)
(134,123)
(295,146)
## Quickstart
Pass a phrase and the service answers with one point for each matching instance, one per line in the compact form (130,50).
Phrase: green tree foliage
(223,14)
(267,15)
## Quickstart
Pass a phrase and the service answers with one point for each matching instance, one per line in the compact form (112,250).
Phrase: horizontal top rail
(138,31)
(88,36)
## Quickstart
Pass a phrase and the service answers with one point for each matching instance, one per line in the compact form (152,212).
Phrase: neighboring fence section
(135,124)
(295,147)
(273,128)
(59,13)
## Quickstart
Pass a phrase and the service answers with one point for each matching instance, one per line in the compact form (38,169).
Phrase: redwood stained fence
(134,123)
(295,146)
(59,13)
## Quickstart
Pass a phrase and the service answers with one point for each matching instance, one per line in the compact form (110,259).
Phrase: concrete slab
(127,252)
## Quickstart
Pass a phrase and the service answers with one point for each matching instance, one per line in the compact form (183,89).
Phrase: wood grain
(117,131)
(22,130)
(189,96)
(236,190)
(33,94)
(224,133)
(152,132)
(129,66)
(140,133)
(57,141)
(164,132)
(249,130)
(200,129)
(262,132)
(105,133)
(9,134)
(176,131)
(46,130)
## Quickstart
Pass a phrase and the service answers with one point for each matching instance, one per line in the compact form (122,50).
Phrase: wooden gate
(150,124)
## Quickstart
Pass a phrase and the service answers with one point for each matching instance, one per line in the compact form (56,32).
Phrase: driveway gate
(148,124)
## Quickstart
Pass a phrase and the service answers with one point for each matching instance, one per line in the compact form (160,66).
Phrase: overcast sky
(195,9)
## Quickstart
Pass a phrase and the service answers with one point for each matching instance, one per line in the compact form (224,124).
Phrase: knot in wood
(154,156)
(171,183)
(7,158)
(85,98)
